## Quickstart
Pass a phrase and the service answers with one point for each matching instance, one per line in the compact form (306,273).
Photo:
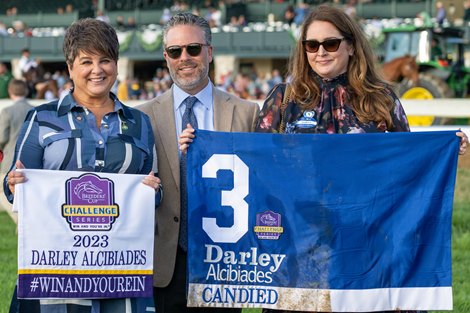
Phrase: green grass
(460,250)
(8,261)
(461,242)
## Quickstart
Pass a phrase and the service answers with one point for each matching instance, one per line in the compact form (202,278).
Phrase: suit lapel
(223,111)
(165,117)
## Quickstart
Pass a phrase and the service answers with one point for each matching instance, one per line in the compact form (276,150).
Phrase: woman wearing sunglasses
(334,87)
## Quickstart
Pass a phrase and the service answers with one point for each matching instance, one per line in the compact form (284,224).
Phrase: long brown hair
(369,97)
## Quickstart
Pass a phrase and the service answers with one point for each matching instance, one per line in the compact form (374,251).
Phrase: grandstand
(255,11)
(261,45)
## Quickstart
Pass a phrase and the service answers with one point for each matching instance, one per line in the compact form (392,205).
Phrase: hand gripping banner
(342,223)
(84,235)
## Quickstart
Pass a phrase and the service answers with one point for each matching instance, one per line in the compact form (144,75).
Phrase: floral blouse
(332,115)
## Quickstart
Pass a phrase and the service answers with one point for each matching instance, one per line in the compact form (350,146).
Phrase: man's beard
(188,83)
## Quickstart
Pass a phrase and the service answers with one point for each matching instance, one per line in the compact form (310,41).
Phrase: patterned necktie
(188,117)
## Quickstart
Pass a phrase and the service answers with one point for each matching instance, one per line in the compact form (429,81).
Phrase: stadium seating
(41,19)
(141,17)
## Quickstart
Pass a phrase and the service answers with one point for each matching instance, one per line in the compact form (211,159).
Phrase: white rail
(435,107)
(452,108)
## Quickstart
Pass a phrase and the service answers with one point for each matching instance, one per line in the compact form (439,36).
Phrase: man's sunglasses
(330,45)
(193,49)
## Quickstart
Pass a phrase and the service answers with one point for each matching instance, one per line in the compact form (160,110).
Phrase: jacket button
(176,219)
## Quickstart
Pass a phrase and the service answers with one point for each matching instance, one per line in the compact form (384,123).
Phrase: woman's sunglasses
(193,49)
(330,45)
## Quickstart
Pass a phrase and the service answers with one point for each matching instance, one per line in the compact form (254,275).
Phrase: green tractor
(440,57)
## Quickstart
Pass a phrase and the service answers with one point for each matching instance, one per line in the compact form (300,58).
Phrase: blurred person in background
(289,14)
(61,77)
(120,23)
(123,89)
(350,8)
(66,88)
(5,78)
(241,86)
(301,12)
(26,62)
(135,90)
(11,11)
(441,13)
(242,20)
(102,16)
(131,24)
(166,15)
(69,8)
(11,120)
(275,79)
(48,89)
(30,71)
(3,30)
(466,13)
(20,29)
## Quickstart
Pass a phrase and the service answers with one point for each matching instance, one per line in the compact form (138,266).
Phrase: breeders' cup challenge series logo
(90,203)
(268,225)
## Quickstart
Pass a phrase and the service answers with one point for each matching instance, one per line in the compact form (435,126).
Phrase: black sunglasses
(330,45)
(193,49)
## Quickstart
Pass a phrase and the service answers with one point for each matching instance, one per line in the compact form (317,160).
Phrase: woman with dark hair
(333,82)
(334,87)
(89,130)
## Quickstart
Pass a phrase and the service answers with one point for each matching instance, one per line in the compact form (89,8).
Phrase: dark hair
(191,20)
(369,98)
(18,87)
(92,36)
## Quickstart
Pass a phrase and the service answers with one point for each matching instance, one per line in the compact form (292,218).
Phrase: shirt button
(105,126)
(100,142)
(176,219)
(79,117)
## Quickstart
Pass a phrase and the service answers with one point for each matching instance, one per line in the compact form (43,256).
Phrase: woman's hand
(463,142)
(153,181)
(15,177)
(186,138)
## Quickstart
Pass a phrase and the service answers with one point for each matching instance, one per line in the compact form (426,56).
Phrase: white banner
(84,235)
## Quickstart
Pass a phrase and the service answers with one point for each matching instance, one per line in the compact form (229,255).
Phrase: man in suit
(11,120)
(188,53)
